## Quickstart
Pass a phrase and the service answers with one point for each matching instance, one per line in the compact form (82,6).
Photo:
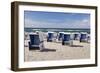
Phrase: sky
(39,19)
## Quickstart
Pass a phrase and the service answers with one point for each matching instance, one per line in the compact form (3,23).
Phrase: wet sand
(57,51)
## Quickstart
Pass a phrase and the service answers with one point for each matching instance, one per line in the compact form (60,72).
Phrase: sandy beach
(61,28)
(57,51)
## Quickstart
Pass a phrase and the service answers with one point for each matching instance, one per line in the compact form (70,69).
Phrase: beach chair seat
(33,47)
(50,37)
(34,41)
(66,39)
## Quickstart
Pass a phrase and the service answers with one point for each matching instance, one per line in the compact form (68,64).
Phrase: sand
(57,51)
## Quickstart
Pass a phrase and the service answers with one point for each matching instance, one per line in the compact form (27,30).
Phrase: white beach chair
(36,41)
(41,37)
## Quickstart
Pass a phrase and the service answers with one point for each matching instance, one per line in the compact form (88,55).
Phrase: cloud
(38,24)
(85,20)
(84,23)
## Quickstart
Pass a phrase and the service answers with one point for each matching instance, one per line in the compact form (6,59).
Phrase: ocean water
(56,30)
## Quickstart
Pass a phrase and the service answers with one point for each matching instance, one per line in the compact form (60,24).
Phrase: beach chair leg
(47,40)
(80,40)
(30,47)
(63,43)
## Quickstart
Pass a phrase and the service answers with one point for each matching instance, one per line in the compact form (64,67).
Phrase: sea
(57,30)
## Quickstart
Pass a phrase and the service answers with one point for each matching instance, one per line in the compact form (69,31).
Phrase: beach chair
(60,36)
(88,38)
(26,36)
(76,36)
(35,42)
(67,39)
(41,37)
(83,37)
(50,37)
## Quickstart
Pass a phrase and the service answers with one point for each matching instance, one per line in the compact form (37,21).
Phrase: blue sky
(37,19)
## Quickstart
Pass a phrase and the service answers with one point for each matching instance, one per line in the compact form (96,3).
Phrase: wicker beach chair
(35,42)
(67,39)
(83,37)
(76,36)
(60,36)
(50,37)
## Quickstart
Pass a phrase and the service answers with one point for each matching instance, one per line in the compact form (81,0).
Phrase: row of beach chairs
(82,37)
(37,39)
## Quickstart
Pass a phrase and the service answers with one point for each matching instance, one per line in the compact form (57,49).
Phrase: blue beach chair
(50,37)
(76,36)
(60,36)
(34,41)
(83,37)
(66,39)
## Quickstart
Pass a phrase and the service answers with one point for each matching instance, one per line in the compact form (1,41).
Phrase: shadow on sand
(48,50)
(76,46)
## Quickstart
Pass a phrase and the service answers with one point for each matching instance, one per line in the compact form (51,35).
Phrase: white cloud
(85,20)
(85,23)
(38,24)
